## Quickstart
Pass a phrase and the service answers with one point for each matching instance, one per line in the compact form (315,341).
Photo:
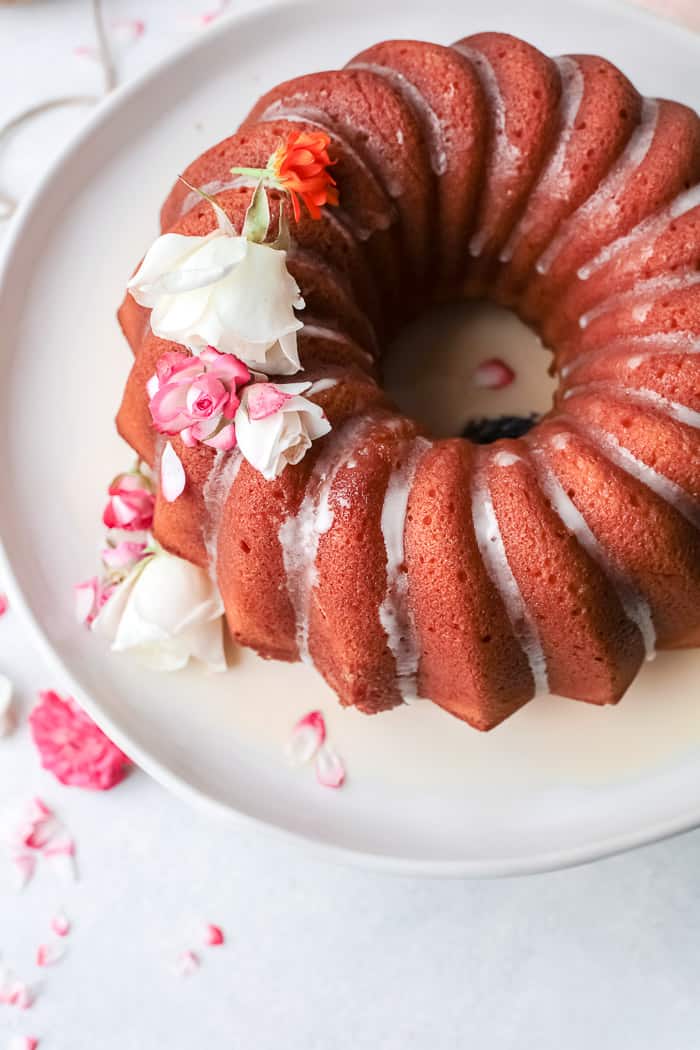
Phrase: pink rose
(130,504)
(197,397)
(72,747)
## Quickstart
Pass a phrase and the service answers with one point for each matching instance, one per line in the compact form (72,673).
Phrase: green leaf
(257,218)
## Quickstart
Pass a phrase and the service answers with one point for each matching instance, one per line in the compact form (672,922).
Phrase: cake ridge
(632,157)
(446,602)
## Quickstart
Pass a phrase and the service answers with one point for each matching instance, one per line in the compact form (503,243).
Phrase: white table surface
(317,957)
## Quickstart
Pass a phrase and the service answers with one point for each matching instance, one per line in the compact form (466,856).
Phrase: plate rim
(542,861)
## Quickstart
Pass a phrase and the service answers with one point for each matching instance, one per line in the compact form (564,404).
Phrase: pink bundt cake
(473,576)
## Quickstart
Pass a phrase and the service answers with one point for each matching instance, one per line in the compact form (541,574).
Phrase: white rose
(223,291)
(275,425)
(168,611)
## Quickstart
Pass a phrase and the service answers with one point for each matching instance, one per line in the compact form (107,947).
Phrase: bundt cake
(473,576)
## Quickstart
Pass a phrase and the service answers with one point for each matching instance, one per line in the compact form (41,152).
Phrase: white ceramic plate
(559,783)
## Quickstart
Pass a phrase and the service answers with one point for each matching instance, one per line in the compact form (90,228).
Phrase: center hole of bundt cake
(435,372)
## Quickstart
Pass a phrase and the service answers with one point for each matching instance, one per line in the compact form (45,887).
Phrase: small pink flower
(131,504)
(197,397)
(493,374)
(4,604)
(72,747)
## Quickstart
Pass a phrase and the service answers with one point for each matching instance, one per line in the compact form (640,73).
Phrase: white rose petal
(283,437)
(168,611)
(223,291)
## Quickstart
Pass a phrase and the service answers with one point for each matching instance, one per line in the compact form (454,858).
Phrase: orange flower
(299,167)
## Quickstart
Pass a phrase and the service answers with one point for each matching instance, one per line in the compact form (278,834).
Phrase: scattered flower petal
(61,856)
(172,474)
(86,51)
(49,954)
(186,964)
(23,866)
(4,604)
(23,1042)
(72,747)
(330,771)
(128,30)
(307,737)
(16,993)
(7,714)
(213,935)
(60,925)
(493,374)
(208,17)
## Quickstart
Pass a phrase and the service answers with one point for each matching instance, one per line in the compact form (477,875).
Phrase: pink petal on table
(186,964)
(127,30)
(4,604)
(23,866)
(172,474)
(307,737)
(49,954)
(86,51)
(60,853)
(37,810)
(208,17)
(493,374)
(330,771)
(213,935)
(17,994)
(23,1042)
(60,925)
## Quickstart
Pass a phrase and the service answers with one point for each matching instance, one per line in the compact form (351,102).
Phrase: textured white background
(317,957)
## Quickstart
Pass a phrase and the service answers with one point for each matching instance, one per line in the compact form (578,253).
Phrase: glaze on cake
(402,566)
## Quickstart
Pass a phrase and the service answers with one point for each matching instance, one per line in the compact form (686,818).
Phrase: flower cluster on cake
(229,303)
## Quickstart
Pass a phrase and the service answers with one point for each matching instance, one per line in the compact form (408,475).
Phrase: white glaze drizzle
(662,486)
(223,473)
(641,395)
(641,297)
(492,548)
(319,385)
(435,132)
(394,612)
(652,228)
(634,604)
(604,198)
(640,346)
(317,330)
(553,182)
(506,154)
(299,534)
(212,189)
